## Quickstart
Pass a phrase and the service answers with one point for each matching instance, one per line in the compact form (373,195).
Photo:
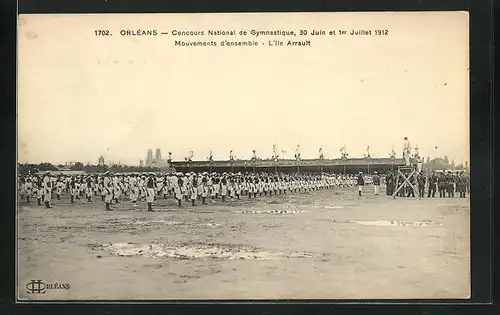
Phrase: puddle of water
(213,224)
(283,211)
(327,207)
(453,205)
(397,223)
(196,252)
(270,211)
(157,221)
(334,207)
(172,223)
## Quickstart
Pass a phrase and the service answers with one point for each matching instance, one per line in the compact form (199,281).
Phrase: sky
(81,95)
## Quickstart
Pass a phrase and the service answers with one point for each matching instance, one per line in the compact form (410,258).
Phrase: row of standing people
(445,183)
(183,187)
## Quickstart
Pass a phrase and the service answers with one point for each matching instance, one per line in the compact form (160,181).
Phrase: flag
(284,151)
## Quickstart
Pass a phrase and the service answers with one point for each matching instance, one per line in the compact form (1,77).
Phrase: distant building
(101,161)
(157,161)
(149,158)
(340,165)
(141,163)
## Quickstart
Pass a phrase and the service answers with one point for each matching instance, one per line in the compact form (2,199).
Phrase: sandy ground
(328,244)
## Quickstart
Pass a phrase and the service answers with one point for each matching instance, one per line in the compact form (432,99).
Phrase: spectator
(361,182)
(376,183)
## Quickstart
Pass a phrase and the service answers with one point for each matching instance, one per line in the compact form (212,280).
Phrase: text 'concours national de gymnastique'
(244,38)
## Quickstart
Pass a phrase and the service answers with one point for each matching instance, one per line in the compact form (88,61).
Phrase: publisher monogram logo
(36,287)
(40,287)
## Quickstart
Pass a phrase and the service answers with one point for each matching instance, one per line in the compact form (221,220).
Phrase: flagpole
(344,154)
(275,159)
(321,159)
(210,160)
(297,158)
(231,160)
(254,160)
(368,156)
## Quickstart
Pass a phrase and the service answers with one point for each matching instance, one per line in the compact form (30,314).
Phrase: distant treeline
(434,164)
(444,164)
(42,167)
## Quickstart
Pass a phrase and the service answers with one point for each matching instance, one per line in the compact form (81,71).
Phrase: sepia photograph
(243,156)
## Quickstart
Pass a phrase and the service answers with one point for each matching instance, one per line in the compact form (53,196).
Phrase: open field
(328,244)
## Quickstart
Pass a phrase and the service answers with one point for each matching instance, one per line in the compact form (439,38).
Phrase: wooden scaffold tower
(409,175)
